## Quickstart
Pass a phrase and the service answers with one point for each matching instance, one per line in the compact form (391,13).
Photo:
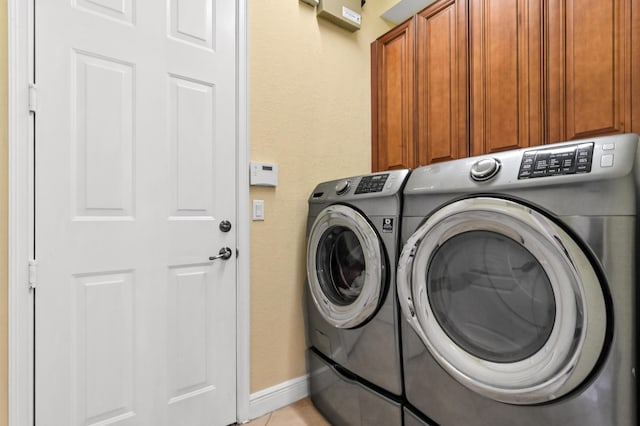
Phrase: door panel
(506,75)
(103,105)
(106,381)
(191,127)
(135,164)
(589,48)
(394,139)
(635,66)
(442,82)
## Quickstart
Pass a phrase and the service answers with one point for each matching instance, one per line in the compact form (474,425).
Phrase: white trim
(278,396)
(20,301)
(243,277)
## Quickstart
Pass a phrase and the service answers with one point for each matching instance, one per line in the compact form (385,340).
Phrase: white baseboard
(278,396)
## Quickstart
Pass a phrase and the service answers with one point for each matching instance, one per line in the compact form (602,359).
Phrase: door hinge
(33,97)
(33,273)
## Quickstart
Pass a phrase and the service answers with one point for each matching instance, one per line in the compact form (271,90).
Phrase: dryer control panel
(564,160)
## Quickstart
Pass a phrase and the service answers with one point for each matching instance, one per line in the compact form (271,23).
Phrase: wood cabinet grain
(506,75)
(475,77)
(635,66)
(442,82)
(393,93)
(589,47)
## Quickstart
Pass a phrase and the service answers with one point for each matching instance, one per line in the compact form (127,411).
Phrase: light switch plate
(258,209)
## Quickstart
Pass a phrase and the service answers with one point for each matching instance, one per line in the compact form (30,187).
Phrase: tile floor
(301,413)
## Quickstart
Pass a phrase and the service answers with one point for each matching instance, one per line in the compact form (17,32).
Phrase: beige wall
(310,113)
(3,215)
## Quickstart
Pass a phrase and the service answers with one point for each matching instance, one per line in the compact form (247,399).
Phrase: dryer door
(504,299)
(345,266)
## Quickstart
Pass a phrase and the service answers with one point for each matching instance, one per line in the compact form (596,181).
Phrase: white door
(135,170)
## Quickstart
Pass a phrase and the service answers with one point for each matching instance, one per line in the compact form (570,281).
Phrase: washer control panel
(373,183)
(566,160)
(355,188)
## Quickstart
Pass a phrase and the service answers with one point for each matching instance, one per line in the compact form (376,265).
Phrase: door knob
(224,254)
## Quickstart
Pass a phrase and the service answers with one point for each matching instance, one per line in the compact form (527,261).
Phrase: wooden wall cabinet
(506,75)
(393,99)
(441,80)
(591,67)
(426,59)
(494,75)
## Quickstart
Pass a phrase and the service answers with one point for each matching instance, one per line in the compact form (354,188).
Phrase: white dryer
(352,312)
(517,282)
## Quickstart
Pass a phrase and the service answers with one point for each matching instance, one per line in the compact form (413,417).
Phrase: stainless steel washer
(517,282)
(352,327)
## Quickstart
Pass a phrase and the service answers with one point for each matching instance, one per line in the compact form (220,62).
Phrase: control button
(343,186)
(484,169)
(606,160)
(583,160)
(608,147)
(583,168)
(554,163)
(542,161)
(539,173)
(528,159)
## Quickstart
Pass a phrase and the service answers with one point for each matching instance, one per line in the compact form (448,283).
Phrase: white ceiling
(405,9)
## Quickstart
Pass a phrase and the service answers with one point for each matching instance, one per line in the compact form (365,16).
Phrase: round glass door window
(504,299)
(491,296)
(341,265)
(345,266)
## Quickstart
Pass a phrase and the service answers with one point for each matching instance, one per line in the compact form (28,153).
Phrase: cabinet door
(442,93)
(393,65)
(635,66)
(589,68)
(506,74)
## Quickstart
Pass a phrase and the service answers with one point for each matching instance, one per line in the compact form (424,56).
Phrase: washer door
(345,266)
(504,299)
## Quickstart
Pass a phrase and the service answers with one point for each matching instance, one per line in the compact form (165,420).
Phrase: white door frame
(21,214)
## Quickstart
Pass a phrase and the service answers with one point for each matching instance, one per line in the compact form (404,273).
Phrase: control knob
(484,169)
(343,186)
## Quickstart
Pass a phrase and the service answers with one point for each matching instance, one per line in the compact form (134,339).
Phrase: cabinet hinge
(33,273)
(33,97)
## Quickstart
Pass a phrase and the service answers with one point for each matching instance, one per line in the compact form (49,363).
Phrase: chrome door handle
(224,254)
